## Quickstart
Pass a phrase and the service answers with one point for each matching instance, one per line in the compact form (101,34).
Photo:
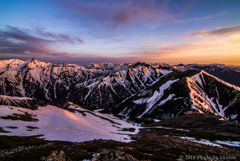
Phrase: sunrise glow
(83,32)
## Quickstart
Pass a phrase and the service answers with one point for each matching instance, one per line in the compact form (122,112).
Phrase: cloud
(58,37)
(201,18)
(117,14)
(213,46)
(23,41)
(217,32)
(202,52)
(140,10)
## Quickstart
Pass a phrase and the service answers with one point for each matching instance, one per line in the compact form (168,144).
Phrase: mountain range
(129,91)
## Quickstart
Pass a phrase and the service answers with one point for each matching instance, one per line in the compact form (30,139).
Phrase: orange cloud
(218,32)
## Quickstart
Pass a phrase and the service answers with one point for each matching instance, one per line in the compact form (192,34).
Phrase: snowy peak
(157,65)
(12,65)
(93,66)
(37,64)
(212,95)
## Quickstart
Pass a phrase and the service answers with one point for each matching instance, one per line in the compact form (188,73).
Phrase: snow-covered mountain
(136,90)
(44,80)
(178,92)
(48,81)
(108,91)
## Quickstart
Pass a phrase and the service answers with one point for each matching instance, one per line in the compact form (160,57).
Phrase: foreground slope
(58,124)
(215,139)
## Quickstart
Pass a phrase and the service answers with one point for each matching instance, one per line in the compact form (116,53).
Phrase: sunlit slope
(59,124)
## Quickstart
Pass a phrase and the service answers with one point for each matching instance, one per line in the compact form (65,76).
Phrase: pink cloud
(139,10)
(22,41)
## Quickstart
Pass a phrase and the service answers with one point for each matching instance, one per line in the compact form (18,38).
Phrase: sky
(121,31)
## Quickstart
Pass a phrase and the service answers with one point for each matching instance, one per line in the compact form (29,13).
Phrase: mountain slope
(178,92)
(109,91)
(77,126)
(43,80)
(46,81)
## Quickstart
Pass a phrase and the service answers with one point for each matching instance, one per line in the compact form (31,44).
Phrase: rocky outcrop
(114,155)
(54,156)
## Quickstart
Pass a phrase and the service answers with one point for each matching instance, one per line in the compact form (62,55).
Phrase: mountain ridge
(130,91)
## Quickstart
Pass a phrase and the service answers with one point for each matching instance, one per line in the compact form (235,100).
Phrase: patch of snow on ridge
(229,143)
(198,96)
(167,99)
(59,124)
(141,101)
(202,141)
(15,97)
(36,73)
(157,95)
(10,75)
(201,100)
(164,71)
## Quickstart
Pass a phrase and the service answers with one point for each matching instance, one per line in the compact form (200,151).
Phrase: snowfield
(59,124)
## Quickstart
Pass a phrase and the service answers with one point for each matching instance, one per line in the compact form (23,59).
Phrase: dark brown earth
(151,143)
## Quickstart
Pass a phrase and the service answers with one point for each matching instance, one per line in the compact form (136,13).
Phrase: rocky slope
(111,90)
(178,92)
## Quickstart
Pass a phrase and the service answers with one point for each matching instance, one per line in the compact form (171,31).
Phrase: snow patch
(157,95)
(229,143)
(59,124)
(164,71)
(202,141)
